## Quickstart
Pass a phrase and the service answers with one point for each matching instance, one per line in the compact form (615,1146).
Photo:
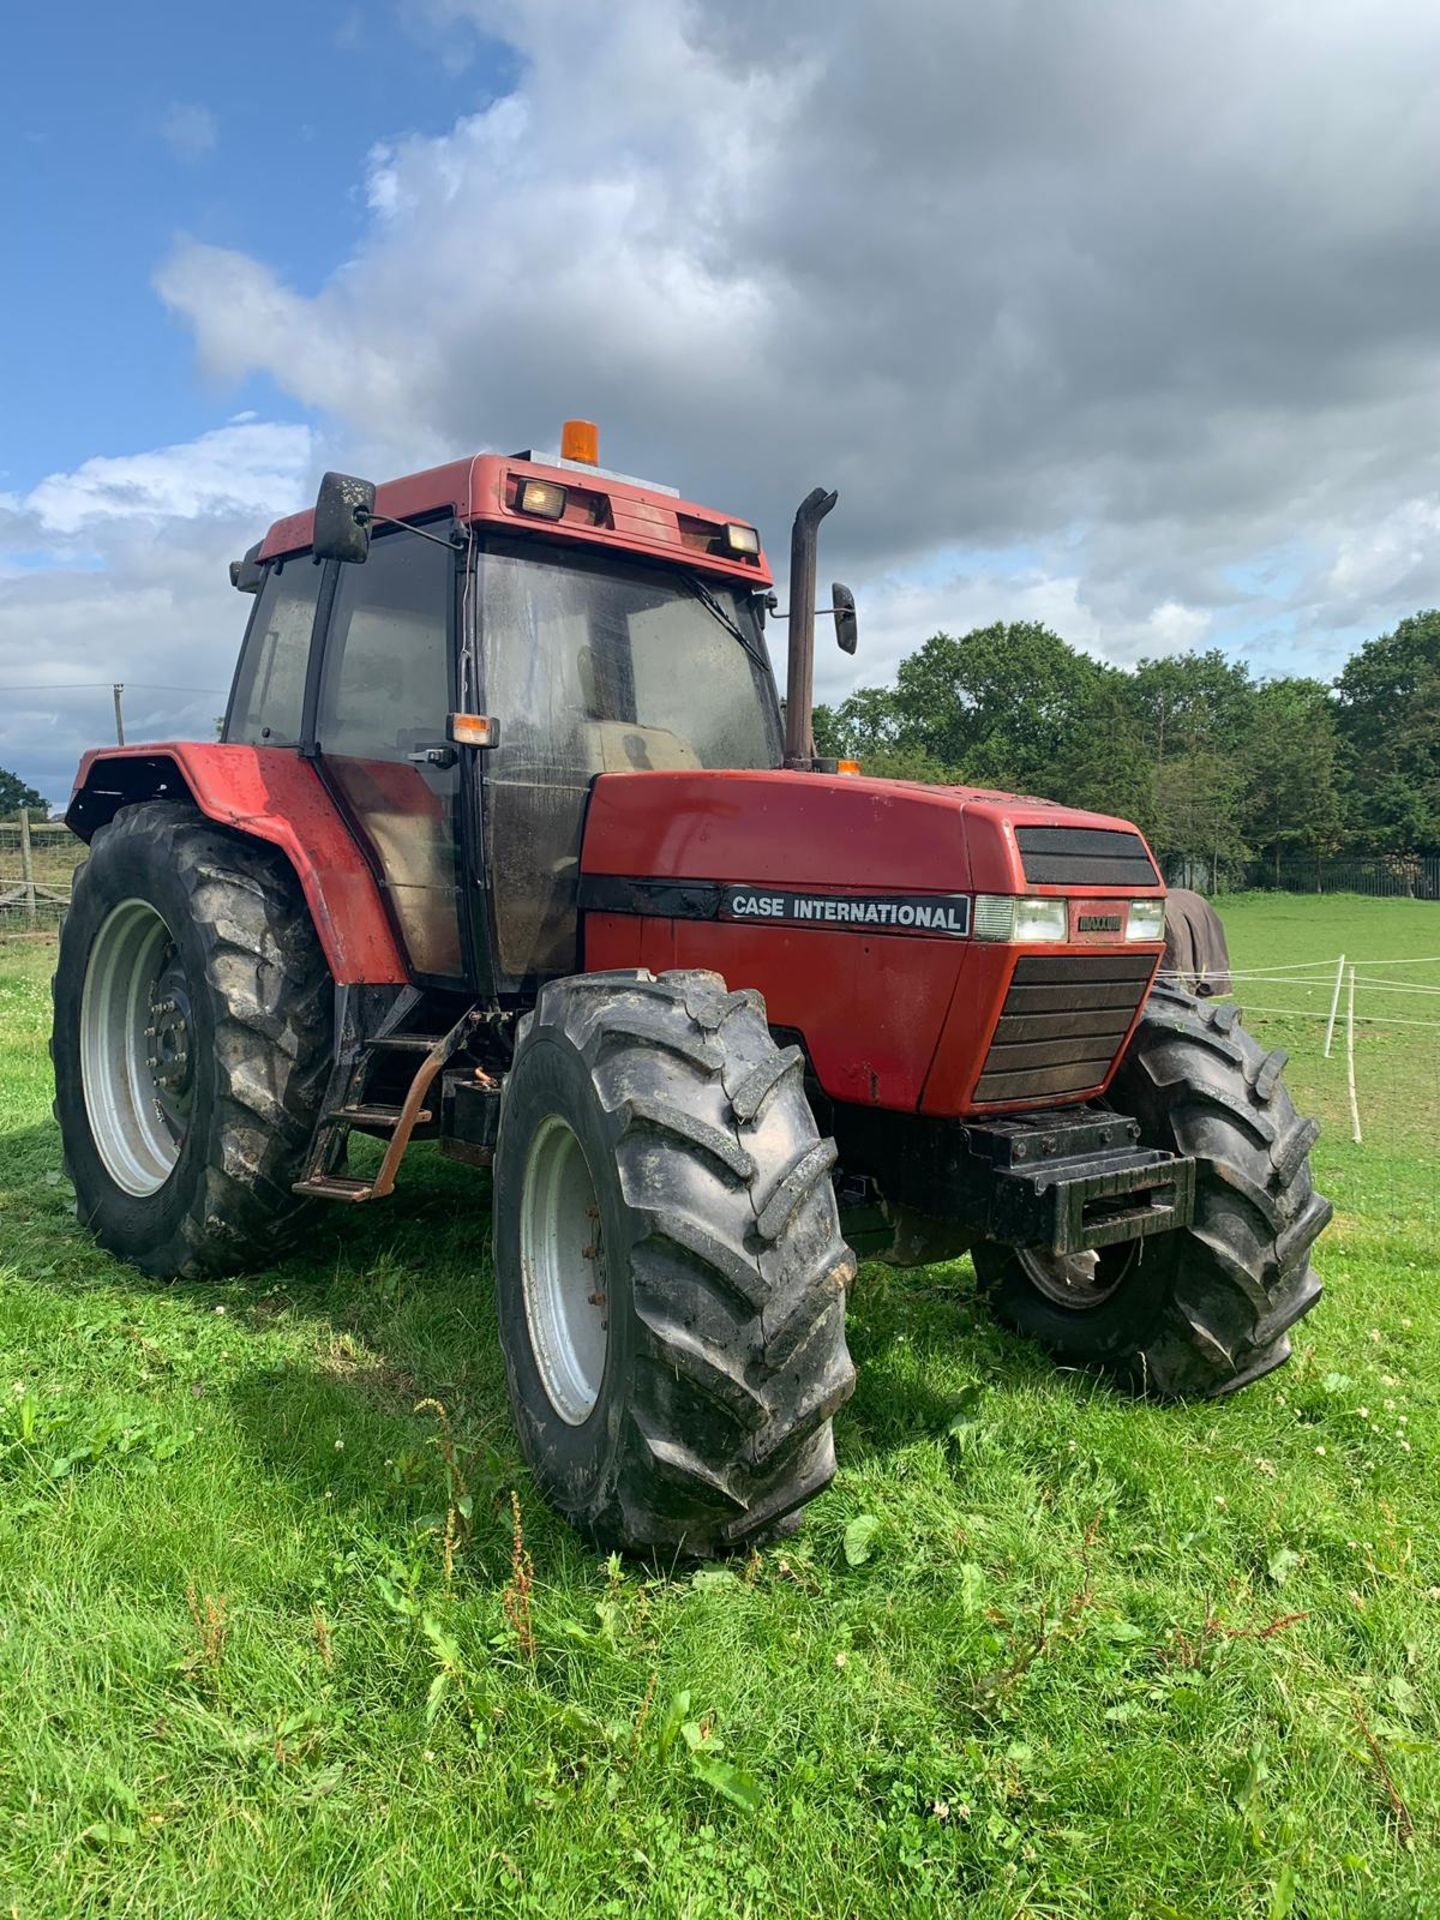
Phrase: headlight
(1147,920)
(1001,916)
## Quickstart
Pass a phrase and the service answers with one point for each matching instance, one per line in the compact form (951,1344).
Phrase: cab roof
(602,510)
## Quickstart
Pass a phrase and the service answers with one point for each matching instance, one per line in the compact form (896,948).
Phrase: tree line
(1210,762)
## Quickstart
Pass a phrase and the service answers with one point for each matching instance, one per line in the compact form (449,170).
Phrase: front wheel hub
(1078,1281)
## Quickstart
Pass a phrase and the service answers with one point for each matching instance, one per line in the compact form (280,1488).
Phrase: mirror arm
(454,540)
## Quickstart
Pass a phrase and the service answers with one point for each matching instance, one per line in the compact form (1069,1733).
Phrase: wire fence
(1381,876)
(37,864)
(1362,1036)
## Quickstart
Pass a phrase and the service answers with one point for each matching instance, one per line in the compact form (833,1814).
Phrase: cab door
(384,698)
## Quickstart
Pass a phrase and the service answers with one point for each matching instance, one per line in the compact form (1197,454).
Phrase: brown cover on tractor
(1196,957)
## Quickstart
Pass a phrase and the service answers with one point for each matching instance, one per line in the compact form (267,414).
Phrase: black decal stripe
(664,899)
(944,916)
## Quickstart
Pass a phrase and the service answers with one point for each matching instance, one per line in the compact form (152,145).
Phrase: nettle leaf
(447,1648)
(1282,1564)
(972,1588)
(858,1537)
(577,1720)
(701,1739)
(109,1833)
(732,1783)
(435,1698)
(1334,1382)
(964,1412)
(1402,1695)
(1121,1631)
(713,1579)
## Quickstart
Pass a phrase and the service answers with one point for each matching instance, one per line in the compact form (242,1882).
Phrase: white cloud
(190,131)
(119,571)
(238,469)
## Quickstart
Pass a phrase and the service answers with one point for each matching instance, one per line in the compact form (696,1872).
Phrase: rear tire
(218,925)
(1204,1310)
(670,1270)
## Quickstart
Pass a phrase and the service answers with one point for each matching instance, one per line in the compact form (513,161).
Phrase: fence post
(1350,1063)
(27,865)
(1334,1004)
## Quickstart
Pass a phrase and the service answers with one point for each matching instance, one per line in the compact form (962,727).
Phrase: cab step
(323,1179)
(376,1116)
(334,1186)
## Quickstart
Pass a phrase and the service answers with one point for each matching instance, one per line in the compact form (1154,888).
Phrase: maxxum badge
(1098,923)
(897,912)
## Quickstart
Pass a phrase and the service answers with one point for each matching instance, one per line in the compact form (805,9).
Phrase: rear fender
(270,794)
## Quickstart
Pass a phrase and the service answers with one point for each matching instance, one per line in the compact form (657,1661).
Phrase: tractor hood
(872,914)
(845,833)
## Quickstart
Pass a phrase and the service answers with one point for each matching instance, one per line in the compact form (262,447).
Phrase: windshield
(606,665)
(598,665)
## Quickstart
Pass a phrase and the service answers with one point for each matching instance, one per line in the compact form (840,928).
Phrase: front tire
(1206,1309)
(670,1270)
(191,1044)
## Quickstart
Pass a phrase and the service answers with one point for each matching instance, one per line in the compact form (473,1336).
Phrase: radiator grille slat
(1011,1056)
(1109,1023)
(1084,857)
(1062,1024)
(1084,998)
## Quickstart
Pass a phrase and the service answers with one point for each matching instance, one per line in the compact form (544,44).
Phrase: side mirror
(248,575)
(344,509)
(847,624)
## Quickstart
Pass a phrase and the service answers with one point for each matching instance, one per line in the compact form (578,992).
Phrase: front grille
(1084,857)
(1062,1023)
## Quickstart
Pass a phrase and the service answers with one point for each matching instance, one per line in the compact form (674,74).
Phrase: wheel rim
(562,1268)
(1079,1282)
(136,1054)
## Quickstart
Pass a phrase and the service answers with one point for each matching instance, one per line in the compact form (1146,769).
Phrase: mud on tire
(719,1257)
(1207,1309)
(262,1009)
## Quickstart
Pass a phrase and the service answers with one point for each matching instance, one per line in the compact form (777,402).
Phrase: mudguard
(270,794)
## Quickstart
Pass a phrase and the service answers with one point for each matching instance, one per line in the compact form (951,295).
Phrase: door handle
(441,756)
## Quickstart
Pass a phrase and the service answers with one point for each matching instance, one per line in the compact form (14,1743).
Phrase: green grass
(1100,1658)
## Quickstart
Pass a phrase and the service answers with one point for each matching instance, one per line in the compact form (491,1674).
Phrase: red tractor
(509,843)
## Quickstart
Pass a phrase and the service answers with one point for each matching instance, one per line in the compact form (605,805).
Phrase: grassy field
(275,1641)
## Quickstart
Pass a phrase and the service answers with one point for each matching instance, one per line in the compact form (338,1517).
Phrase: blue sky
(1120,317)
(246,127)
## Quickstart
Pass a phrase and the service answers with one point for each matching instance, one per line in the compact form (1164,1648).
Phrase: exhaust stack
(800,674)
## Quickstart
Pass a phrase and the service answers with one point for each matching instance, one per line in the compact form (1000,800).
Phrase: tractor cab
(460,679)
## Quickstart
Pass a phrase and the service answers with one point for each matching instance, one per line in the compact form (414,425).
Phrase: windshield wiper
(711,605)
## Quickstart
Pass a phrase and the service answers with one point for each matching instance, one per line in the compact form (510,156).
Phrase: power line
(93,686)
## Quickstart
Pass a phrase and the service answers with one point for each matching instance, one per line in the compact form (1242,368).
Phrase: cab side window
(269,694)
(384,702)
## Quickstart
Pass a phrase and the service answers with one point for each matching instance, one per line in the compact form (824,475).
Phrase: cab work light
(542,498)
(1003,916)
(741,539)
(1146,921)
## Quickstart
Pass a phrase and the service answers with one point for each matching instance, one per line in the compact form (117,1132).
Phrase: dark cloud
(1153,287)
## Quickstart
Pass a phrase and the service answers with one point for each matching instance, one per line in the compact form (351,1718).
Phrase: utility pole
(119,717)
